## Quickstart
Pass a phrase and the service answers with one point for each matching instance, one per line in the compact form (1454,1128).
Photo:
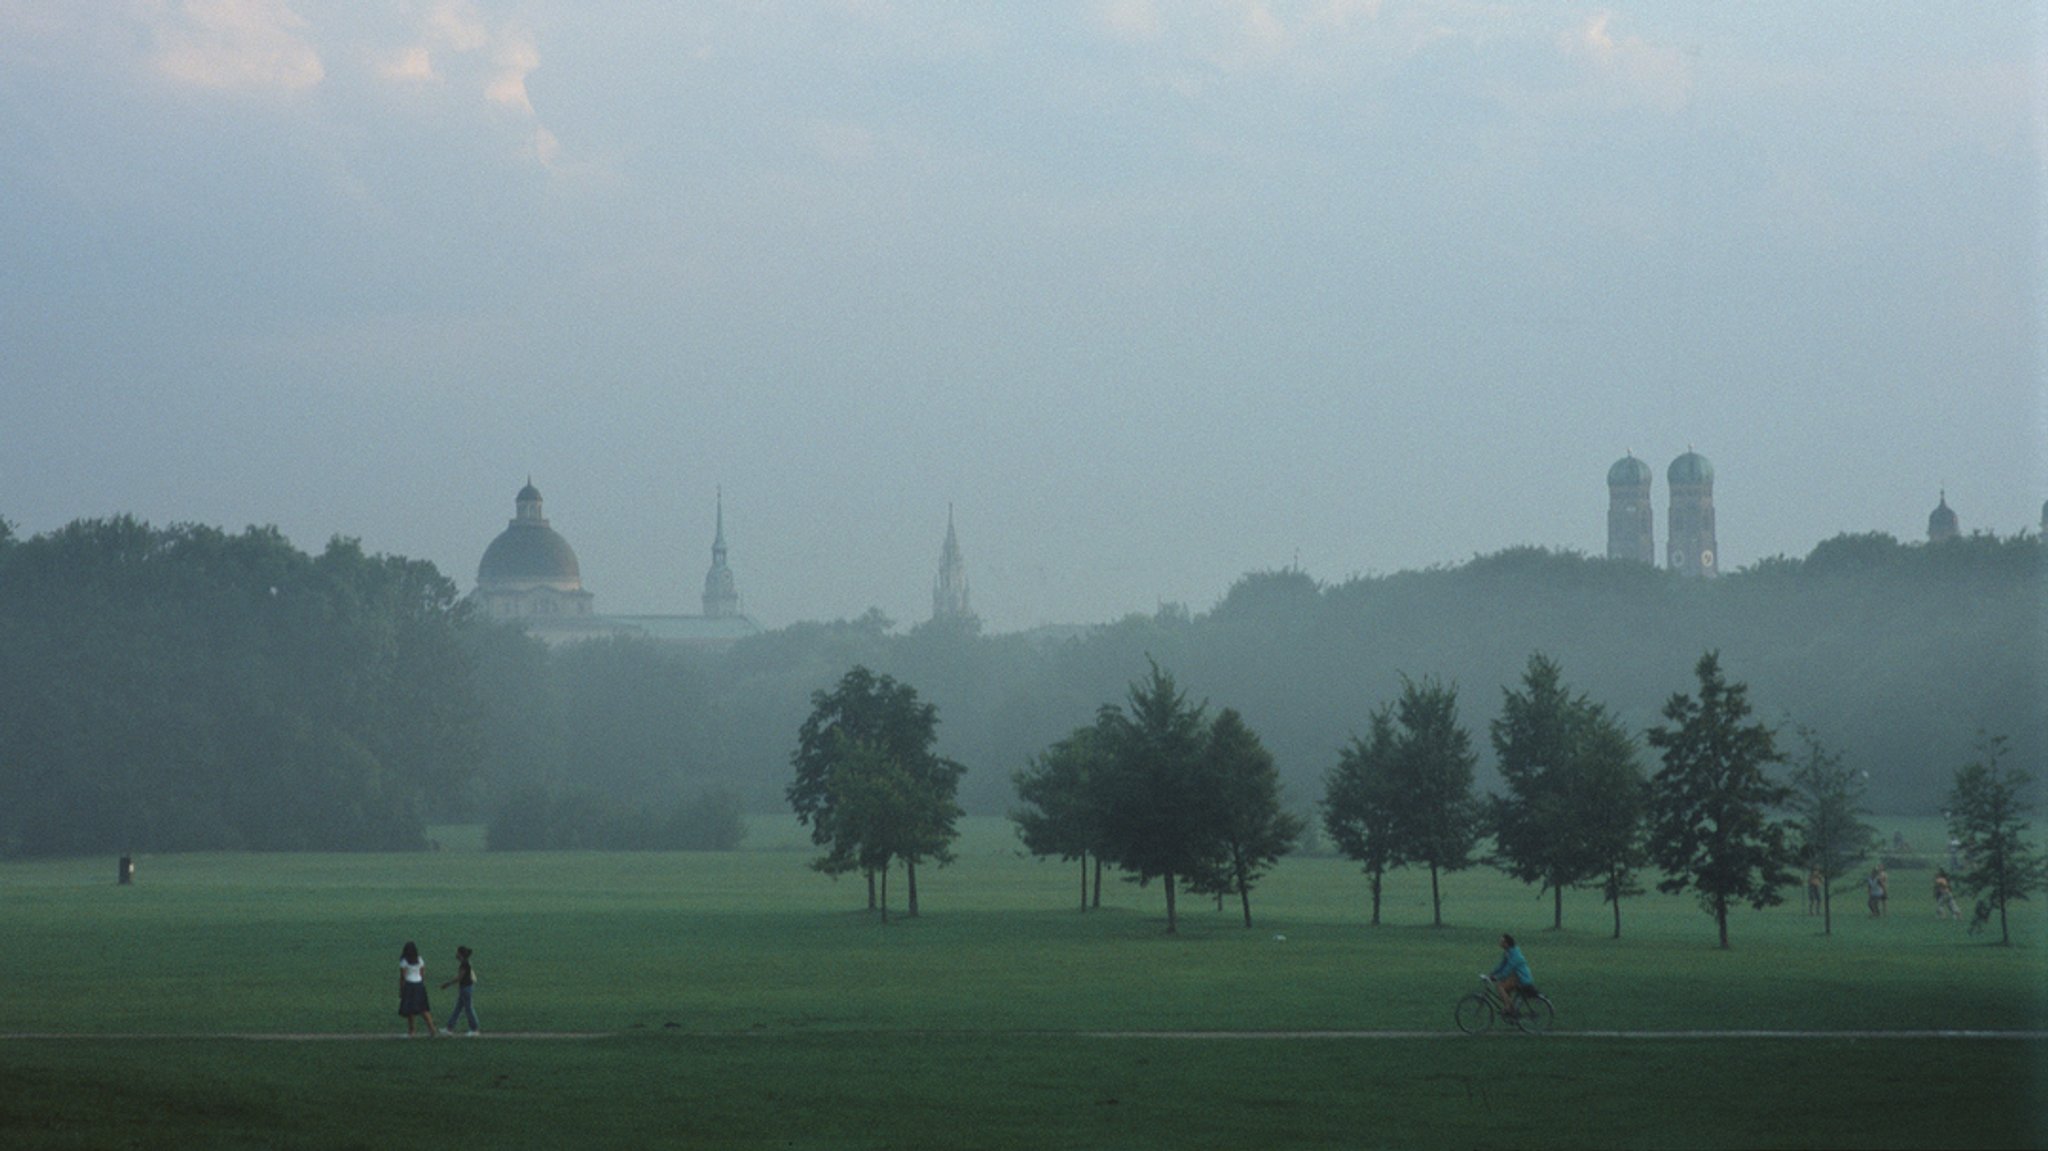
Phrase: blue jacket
(1512,963)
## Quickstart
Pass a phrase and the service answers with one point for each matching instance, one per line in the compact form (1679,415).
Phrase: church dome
(529,553)
(1628,472)
(1941,522)
(1691,468)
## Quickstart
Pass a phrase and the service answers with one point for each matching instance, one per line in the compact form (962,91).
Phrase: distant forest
(184,688)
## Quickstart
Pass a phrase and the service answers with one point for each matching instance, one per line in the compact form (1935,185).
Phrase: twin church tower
(1631,522)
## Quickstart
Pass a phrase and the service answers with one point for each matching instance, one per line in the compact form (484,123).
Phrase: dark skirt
(412,999)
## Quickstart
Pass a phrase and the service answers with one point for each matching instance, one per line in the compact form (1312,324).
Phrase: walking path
(1212,1036)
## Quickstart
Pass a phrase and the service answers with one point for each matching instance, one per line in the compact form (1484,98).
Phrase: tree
(1988,816)
(1161,812)
(1254,831)
(881,811)
(1573,806)
(1710,802)
(1827,806)
(1359,803)
(869,714)
(1060,814)
(1612,797)
(1437,818)
(185,689)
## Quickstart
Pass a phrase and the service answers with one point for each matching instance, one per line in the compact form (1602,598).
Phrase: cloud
(1634,70)
(235,45)
(412,64)
(514,60)
(1132,21)
(456,44)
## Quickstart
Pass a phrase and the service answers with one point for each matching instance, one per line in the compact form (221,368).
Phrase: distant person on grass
(1875,886)
(412,990)
(1511,975)
(465,987)
(1884,891)
(1813,889)
(1945,898)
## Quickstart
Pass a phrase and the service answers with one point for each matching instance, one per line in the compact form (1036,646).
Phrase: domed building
(529,575)
(1942,523)
(530,572)
(1692,547)
(1631,526)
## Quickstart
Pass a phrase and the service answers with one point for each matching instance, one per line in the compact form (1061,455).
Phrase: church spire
(949,589)
(721,592)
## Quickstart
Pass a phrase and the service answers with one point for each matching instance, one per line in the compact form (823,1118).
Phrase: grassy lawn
(750,1002)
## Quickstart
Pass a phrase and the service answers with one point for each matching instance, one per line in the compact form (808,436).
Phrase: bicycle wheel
(1535,1015)
(1474,1014)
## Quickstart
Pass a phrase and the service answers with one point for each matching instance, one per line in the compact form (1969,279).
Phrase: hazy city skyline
(1152,294)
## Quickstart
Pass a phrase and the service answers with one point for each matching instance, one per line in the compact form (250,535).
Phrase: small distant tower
(1942,523)
(949,590)
(721,594)
(1692,548)
(1631,527)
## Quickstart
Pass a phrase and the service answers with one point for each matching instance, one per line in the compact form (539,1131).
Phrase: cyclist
(1511,975)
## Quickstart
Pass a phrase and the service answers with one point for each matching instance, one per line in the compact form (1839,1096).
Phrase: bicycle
(1480,1010)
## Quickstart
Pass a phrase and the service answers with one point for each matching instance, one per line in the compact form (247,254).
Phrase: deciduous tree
(866,717)
(1827,810)
(1710,803)
(1255,830)
(1988,816)
(1573,806)
(1060,813)
(1359,807)
(1161,811)
(1438,819)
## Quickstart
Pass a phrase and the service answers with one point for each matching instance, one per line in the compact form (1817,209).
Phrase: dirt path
(1204,1036)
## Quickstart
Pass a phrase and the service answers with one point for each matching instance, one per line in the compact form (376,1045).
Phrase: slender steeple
(721,593)
(949,590)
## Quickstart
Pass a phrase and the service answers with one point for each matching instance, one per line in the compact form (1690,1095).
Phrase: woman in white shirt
(412,989)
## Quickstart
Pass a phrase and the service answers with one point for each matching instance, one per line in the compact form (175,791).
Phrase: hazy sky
(1153,293)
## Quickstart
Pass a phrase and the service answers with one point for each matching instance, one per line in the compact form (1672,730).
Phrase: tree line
(185,687)
(179,689)
(1159,791)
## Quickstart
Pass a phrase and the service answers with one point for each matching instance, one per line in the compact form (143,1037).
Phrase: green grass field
(745,1001)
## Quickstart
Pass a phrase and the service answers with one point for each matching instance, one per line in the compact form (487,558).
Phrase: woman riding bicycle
(1511,975)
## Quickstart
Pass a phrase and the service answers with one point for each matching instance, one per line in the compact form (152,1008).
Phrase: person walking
(1813,891)
(1875,887)
(1884,891)
(1945,898)
(465,990)
(412,990)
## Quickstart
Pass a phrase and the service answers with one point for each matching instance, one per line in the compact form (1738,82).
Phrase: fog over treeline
(185,688)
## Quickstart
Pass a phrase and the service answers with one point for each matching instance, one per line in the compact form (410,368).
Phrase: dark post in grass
(127,873)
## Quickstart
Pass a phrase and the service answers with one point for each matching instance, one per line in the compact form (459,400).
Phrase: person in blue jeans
(465,990)
(1511,975)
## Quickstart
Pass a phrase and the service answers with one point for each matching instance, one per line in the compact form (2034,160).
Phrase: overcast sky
(1151,293)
